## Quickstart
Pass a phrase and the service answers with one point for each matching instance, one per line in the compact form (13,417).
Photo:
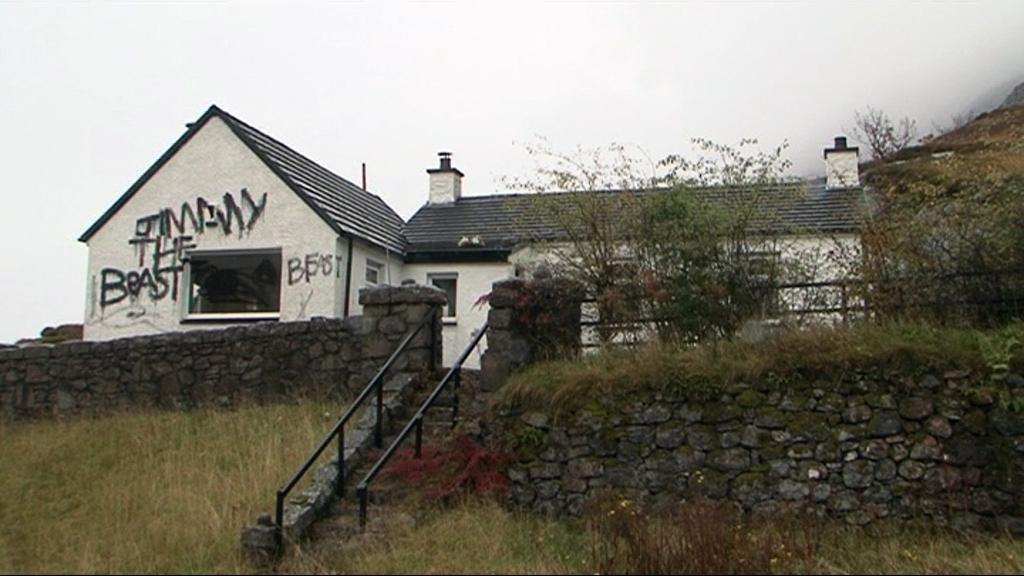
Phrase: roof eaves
(233,125)
(192,129)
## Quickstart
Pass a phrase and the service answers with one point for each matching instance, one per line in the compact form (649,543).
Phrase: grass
(480,537)
(145,492)
(476,536)
(168,492)
(895,549)
(560,386)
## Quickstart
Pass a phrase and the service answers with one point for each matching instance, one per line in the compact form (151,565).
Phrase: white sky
(91,94)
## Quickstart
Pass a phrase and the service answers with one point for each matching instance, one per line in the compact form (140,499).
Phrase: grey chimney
(841,170)
(445,181)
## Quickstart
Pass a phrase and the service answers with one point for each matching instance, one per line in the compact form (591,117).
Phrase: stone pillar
(529,320)
(389,312)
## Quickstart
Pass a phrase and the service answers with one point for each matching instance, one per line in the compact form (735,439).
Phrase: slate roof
(347,208)
(501,221)
(506,220)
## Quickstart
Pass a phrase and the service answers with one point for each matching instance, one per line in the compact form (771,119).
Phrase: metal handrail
(454,373)
(375,385)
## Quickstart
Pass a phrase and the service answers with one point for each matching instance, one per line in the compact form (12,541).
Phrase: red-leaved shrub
(461,466)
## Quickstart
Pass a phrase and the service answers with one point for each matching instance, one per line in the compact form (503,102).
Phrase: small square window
(238,283)
(449,283)
(374,270)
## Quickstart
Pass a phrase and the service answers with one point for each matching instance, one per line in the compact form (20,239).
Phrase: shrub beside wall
(529,321)
(260,362)
(874,443)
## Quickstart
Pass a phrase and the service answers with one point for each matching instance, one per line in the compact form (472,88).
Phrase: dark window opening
(373,272)
(448,283)
(235,283)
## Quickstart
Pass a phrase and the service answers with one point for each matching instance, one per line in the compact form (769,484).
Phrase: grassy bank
(472,537)
(168,492)
(479,537)
(826,352)
(148,492)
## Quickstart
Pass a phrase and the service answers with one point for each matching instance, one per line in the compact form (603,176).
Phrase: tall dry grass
(699,537)
(473,536)
(145,492)
(559,387)
(477,536)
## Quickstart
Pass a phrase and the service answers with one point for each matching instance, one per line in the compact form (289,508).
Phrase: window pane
(235,283)
(448,284)
(373,270)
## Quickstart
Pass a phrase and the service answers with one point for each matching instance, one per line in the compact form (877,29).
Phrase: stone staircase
(336,520)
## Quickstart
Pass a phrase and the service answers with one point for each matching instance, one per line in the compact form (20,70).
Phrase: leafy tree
(711,254)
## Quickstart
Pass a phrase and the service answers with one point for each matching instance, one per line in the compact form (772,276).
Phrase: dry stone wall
(260,362)
(529,320)
(871,444)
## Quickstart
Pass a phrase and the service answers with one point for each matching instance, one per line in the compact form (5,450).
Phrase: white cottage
(232,226)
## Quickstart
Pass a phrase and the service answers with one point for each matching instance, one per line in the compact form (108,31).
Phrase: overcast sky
(91,94)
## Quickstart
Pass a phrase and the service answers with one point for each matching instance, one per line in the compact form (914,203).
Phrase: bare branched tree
(694,242)
(883,136)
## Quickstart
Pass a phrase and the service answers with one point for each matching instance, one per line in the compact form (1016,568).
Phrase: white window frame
(185,288)
(377,267)
(453,305)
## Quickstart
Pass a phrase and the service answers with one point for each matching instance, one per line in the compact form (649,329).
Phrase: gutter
(348,278)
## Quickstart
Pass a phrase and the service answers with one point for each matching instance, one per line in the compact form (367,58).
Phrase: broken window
(235,283)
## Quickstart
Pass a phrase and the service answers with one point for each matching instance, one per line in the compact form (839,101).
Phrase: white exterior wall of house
(212,164)
(474,280)
(364,253)
(832,258)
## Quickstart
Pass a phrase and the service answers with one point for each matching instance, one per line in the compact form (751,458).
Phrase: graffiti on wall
(162,239)
(313,265)
(230,215)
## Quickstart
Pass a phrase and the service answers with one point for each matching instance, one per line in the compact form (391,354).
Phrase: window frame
(377,267)
(199,317)
(431,276)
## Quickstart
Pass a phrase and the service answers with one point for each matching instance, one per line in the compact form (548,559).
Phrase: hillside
(992,144)
(1016,97)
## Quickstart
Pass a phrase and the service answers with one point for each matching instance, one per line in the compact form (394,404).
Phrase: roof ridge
(714,187)
(220,111)
(295,169)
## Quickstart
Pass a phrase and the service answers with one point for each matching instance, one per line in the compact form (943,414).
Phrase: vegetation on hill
(1015,97)
(942,240)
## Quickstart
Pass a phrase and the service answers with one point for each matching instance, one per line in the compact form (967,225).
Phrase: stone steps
(386,495)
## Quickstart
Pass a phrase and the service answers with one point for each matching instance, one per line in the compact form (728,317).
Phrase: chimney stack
(445,181)
(841,170)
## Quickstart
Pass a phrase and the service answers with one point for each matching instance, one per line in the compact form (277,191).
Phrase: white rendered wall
(827,259)
(445,187)
(474,281)
(212,164)
(841,170)
(391,273)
